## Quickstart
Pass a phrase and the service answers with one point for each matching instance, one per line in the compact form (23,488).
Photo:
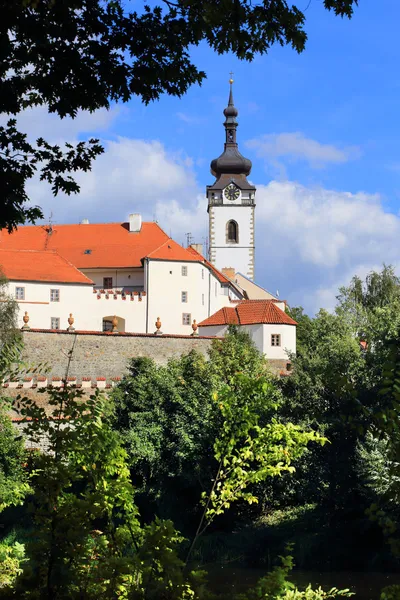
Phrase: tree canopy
(85,54)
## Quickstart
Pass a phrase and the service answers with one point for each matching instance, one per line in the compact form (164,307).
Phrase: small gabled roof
(39,265)
(170,250)
(249,312)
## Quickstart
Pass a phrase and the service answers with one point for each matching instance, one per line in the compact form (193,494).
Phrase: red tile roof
(250,312)
(89,246)
(170,250)
(36,265)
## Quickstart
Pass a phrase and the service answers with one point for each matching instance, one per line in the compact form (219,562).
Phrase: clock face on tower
(231,192)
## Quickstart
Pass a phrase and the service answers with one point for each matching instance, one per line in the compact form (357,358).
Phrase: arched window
(232,232)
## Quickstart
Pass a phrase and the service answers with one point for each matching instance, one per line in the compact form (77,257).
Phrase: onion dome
(231,162)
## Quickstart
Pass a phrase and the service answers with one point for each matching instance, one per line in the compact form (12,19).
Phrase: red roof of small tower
(250,312)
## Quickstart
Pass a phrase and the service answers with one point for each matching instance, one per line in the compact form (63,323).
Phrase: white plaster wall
(87,310)
(217,330)
(261,336)
(288,341)
(206,295)
(165,286)
(223,254)
(256,333)
(163,299)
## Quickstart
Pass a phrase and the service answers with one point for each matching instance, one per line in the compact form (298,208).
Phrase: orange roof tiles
(170,250)
(250,312)
(90,245)
(36,265)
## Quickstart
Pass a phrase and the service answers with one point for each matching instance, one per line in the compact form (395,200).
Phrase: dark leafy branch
(71,55)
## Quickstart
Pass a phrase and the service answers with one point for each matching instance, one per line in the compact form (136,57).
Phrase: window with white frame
(54,295)
(107,283)
(20,293)
(186,318)
(275,339)
(55,323)
(202,299)
(184,296)
(184,271)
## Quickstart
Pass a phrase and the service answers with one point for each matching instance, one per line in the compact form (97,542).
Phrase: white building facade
(115,286)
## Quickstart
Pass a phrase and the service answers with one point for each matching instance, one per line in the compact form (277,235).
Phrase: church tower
(231,203)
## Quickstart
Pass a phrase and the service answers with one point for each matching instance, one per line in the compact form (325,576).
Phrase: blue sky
(322,130)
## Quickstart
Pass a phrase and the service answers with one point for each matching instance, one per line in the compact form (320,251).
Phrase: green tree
(87,540)
(8,314)
(169,421)
(86,54)
(13,481)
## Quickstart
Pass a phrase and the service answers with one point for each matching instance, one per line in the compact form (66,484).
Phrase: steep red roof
(36,265)
(90,245)
(250,312)
(170,250)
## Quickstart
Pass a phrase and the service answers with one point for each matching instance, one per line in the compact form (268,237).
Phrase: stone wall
(102,354)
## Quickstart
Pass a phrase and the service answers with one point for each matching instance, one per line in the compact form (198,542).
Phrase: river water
(367,586)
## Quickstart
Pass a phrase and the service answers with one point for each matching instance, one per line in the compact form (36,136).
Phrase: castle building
(132,277)
(231,203)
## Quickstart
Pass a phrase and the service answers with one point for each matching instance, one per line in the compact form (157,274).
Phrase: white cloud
(295,146)
(312,240)
(131,176)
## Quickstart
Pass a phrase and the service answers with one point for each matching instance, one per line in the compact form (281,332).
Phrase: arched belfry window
(232,232)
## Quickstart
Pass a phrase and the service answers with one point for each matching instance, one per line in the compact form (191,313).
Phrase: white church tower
(231,204)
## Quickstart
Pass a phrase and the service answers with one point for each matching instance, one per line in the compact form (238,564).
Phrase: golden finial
(231,79)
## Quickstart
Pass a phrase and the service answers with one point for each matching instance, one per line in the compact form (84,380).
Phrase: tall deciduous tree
(83,54)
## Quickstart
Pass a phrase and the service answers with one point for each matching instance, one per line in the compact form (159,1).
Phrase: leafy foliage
(87,539)
(8,314)
(85,54)
(246,451)
(169,421)
(275,586)
(13,481)
(12,555)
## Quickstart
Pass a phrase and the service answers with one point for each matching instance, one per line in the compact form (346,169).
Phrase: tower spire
(231,162)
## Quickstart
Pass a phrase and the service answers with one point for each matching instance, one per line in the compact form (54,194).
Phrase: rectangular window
(55,323)
(20,293)
(202,299)
(184,296)
(107,283)
(186,318)
(202,273)
(184,271)
(275,339)
(54,295)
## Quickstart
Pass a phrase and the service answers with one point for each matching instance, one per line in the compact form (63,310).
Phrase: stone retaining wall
(95,354)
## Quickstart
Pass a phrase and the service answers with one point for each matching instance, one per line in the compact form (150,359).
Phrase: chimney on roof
(229,272)
(85,222)
(198,248)
(135,222)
